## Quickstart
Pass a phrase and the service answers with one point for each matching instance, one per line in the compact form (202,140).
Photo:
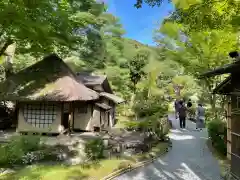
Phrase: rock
(105,142)
(6,171)
(129,152)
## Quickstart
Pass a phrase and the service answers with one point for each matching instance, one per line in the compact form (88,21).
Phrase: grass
(222,160)
(92,171)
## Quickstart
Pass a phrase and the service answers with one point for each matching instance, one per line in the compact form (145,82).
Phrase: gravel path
(189,159)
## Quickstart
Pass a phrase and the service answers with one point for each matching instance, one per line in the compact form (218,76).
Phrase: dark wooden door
(65,120)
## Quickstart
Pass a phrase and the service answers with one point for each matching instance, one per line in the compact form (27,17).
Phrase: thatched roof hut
(48,80)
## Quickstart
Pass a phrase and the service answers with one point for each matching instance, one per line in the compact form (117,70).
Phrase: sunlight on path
(189,159)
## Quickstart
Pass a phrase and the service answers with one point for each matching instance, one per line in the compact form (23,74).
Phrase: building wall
(24,126)
(82,116)
(95,121)
(86,120)
(93,117)
(235,133)
(109,116)
(86,116)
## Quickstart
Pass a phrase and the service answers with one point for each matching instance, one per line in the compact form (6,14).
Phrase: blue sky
(139,23)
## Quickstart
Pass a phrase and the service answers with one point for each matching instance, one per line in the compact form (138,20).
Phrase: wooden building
(51,98)
(230,87)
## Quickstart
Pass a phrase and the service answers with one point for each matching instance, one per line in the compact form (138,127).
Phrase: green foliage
(198,44)
(136,66)
(14,151)
(152,3)
(94,149)
(152,124)
(151,107)
(217,131)
(47,25)
(23,150)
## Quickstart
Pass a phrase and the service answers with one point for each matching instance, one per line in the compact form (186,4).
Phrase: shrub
(26,143)
(94,149)
(151,106)
(132,125)
(18,147)
(153,124)
(217,131)
(47,154)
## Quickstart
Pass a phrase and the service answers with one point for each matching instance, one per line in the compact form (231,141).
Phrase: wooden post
(229,137)
(71,114)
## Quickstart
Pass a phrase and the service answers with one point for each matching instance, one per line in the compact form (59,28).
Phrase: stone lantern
(106,138)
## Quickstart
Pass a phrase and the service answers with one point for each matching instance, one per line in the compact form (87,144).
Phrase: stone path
(189,159)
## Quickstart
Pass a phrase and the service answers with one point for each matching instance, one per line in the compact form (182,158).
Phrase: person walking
(189,107)
(176,106)
(200,117)
(182,111)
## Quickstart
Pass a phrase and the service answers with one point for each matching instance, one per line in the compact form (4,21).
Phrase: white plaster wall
(82,121)
(24,126)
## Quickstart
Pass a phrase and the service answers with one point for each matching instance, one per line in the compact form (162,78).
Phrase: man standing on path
(182,111)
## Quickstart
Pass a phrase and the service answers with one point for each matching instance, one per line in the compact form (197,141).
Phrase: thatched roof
(50,80)
(225,87)
(103,106)
(89,79)
(228,68)
(92,81)
(112,97)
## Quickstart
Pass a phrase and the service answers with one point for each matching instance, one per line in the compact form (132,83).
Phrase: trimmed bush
(217,131)
(27,150)
(94,149)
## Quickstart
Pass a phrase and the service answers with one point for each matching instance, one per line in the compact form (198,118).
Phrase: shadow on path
(189,159)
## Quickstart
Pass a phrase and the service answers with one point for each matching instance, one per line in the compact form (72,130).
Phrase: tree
(202,14)
(152,3)
(198,51)
(40,27)
(208,14)
(136,66)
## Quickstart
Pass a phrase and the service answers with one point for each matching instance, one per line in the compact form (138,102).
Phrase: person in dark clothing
(182,111)
(176,106)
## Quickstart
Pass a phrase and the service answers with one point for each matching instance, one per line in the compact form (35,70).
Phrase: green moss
(35,80)
(48,88)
